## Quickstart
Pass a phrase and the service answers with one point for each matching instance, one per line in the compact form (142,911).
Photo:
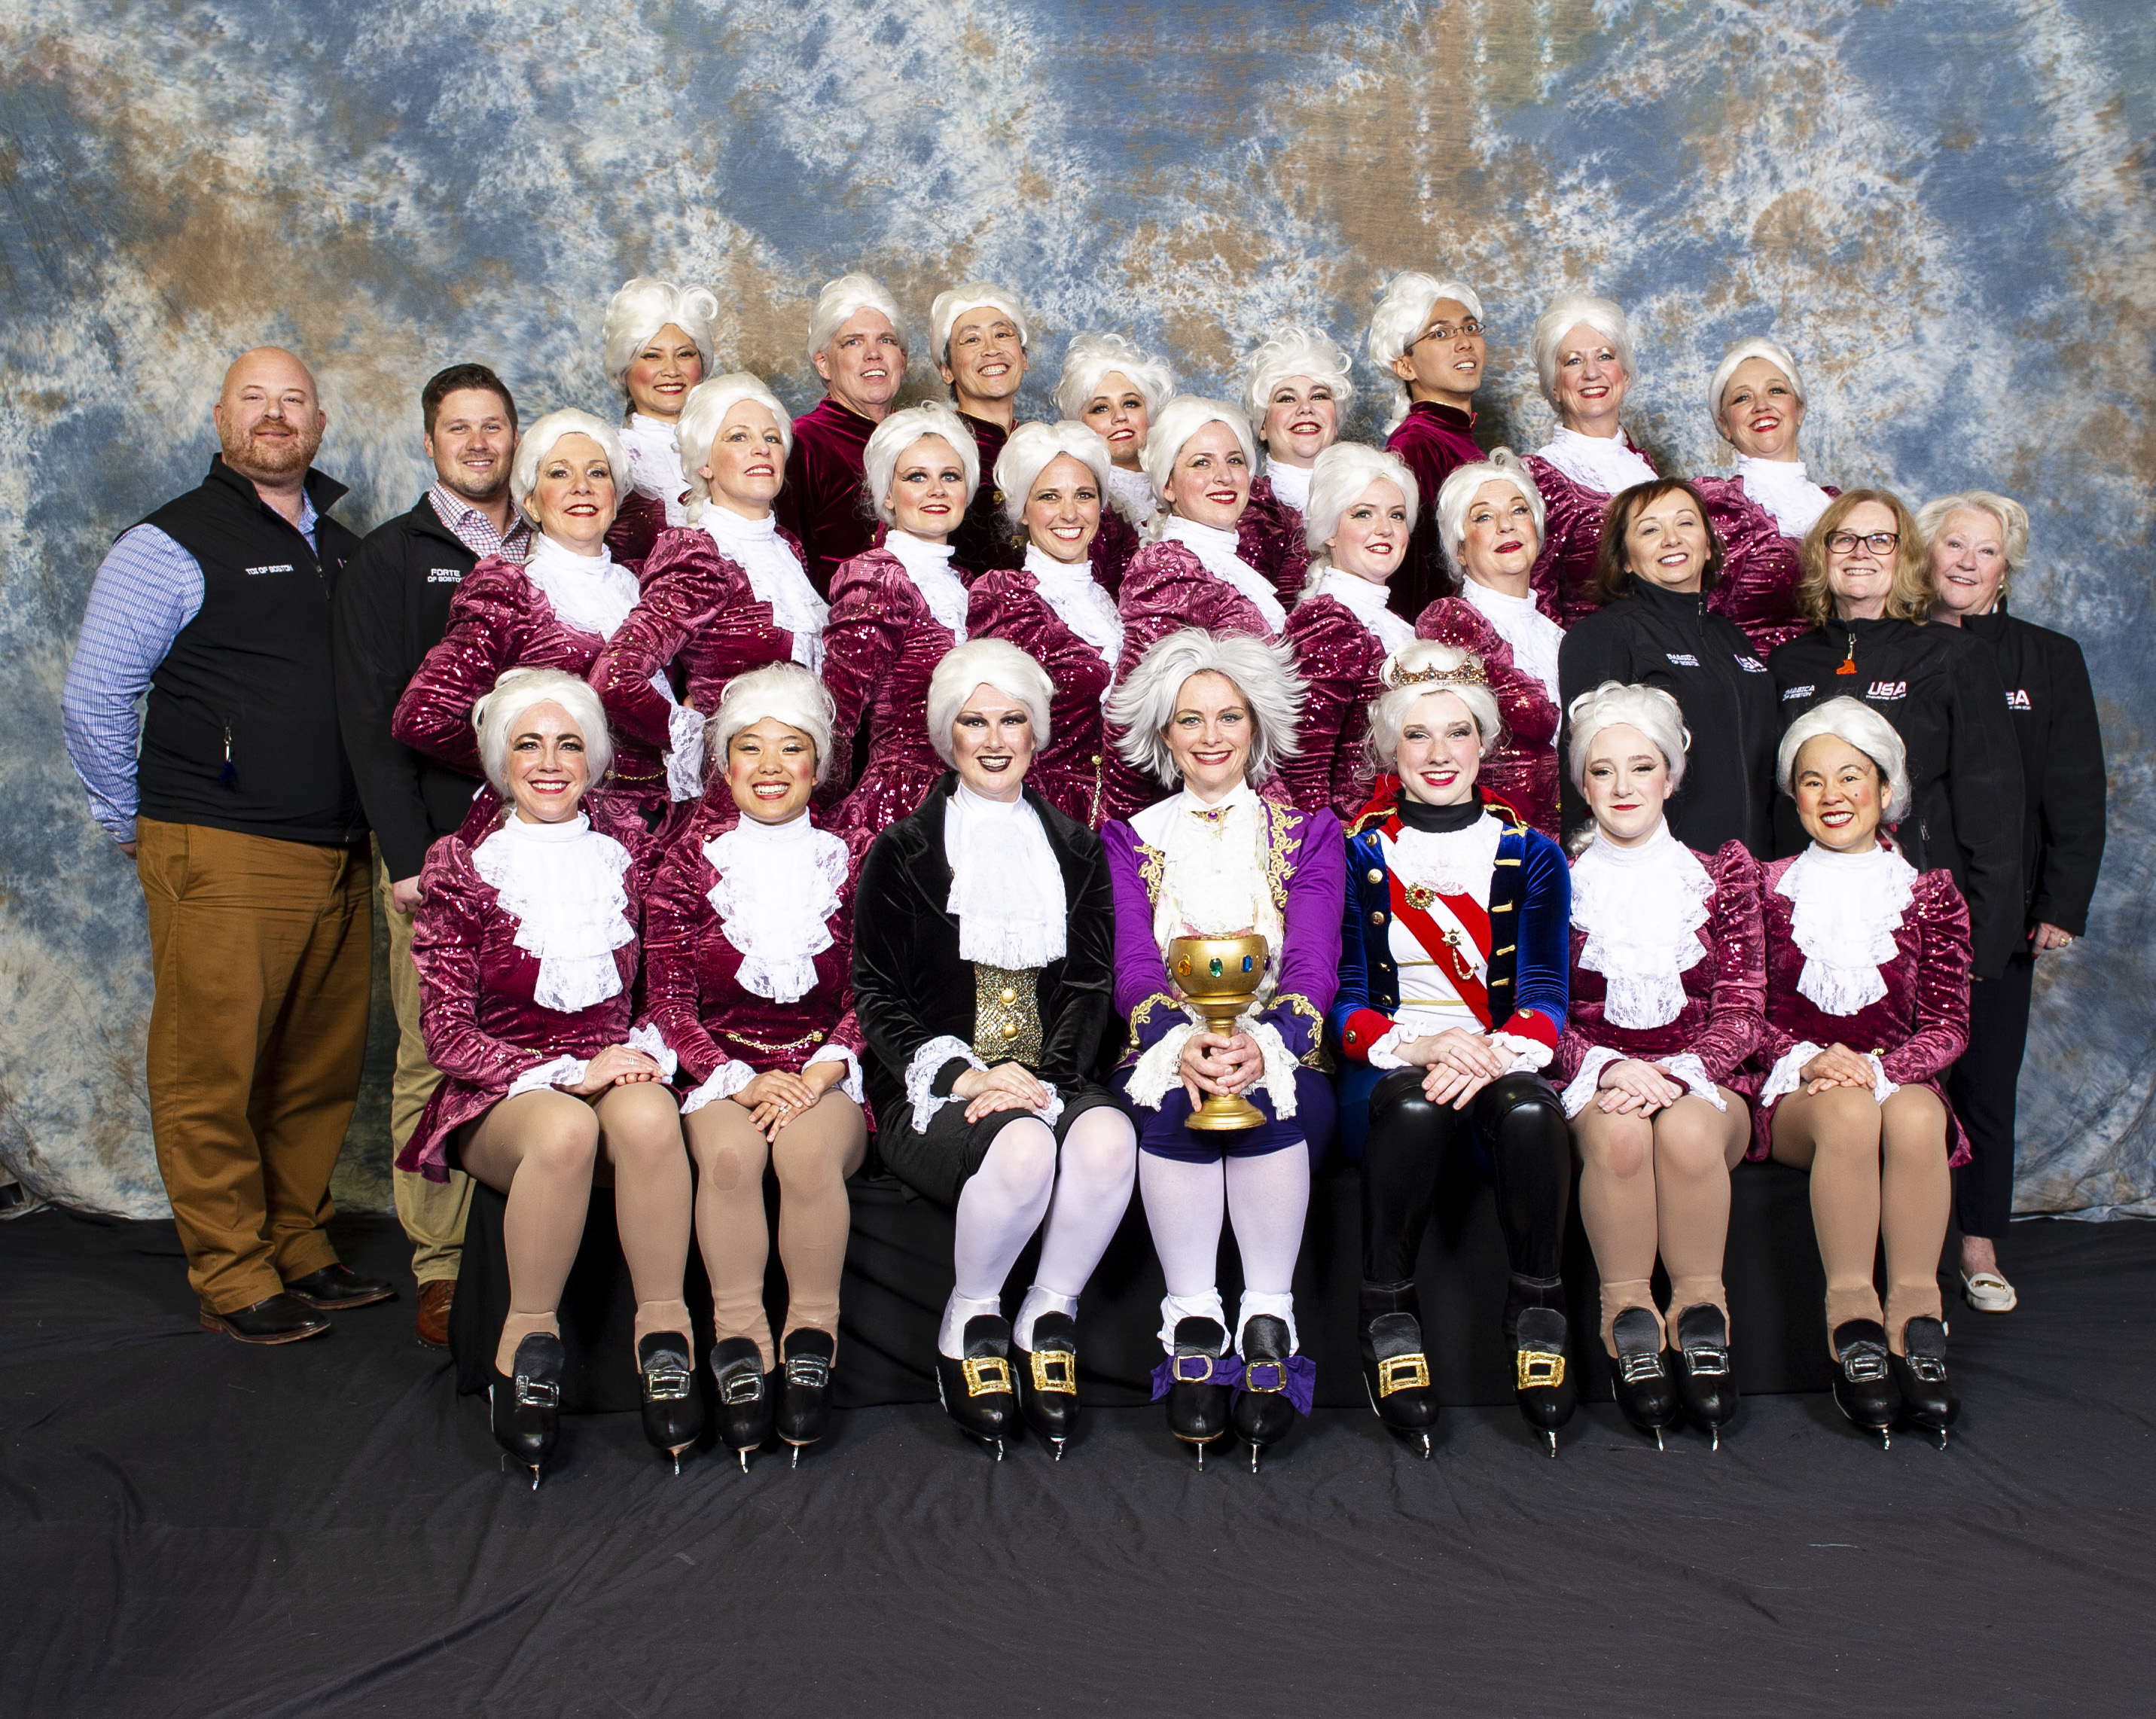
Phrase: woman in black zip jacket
(1974,542)
(1867,584)
(1660,558)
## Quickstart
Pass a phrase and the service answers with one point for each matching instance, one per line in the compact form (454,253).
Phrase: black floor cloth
(196,1528)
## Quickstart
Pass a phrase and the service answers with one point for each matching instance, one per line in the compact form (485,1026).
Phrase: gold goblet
(1220,975)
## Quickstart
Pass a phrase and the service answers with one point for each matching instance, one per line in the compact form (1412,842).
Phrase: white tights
(1266,1197)
(1082,1193)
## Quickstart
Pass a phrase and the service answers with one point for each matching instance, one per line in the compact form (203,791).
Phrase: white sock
(1175,1308)
(999,1208)
(1280,1307)
(951,1339)
(1184,1204)
(1038,1300)
(1268,1198)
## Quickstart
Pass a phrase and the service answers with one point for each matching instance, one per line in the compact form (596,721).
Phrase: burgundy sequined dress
(1269,536)
(1563,575)
(1521,768)
(1070,771)
(1757,589)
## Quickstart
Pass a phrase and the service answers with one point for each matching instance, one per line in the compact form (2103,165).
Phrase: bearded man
(246,831)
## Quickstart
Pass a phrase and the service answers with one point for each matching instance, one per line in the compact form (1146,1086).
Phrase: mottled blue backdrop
(1944,210)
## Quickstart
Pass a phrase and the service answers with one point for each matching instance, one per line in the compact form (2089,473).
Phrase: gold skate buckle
(1402,1373)
(1051,1371)
(991,1373)
(1538,1367)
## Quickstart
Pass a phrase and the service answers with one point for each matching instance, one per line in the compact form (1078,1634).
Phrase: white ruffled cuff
(1158,1069)
(685,757)
(1529,1056)
(921,1075)
(723,1082)
(1385,1052)
(1687,1068)
(849,1083)
(649,1040)
(1788,1075)
(1280,1064)
(1883,1089)
(1588,1080)
(562,1071)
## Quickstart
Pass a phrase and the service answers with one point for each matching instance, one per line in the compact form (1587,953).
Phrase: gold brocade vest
(1007,1014)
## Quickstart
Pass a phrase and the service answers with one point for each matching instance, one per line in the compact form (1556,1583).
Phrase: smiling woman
(658,343)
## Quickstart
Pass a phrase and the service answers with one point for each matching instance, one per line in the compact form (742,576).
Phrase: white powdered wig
(518,690)
(538,442)
(1263,674)
(2012,516)
(1388,710)
(702,414)
(643,307)
(1648,709)
(1403,312)
(1455,495)
(1294,350)
(1178,421)
(1091,357)
(901,431)
(1337,479)
(968,295)
(785,692)
(840,299)
(1566,313)
(1033,447)
(1855,722)
(1755,346)
(985,662)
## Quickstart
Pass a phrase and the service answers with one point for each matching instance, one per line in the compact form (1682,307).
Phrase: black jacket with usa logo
(1940,688)
(1668,639)
(392,607)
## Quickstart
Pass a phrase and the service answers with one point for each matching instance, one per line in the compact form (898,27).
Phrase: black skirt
(938,1161)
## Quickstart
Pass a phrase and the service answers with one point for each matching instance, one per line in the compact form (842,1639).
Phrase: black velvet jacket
(911,984)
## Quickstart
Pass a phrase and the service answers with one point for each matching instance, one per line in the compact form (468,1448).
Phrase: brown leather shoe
(433,1323)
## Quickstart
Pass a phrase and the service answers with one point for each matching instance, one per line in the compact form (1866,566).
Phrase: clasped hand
(1211,1064)
(1460,1064)
(1837,1065)
(1006,1086)
(616,1065)
(1629,1087)
(775,1098)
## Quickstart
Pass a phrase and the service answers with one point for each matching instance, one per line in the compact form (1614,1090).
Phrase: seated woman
(1359,513)
(1668,979)
(1445,1029)
(895,611)
(1052,478)
(1583,349)
(857,346)
(978,334)
(1116,390)
(1489,534)
(726,593)
(1296,387)
(1757,401)
(526,942)
(1426,334)
(557,610)
(657,344)
(748,978)
(983,942)
(1867,1008)
(1208,715)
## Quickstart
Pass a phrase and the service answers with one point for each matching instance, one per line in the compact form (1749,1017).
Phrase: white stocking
(999,1208)
(1098,1164)
(1184,1204)
(1268,1198)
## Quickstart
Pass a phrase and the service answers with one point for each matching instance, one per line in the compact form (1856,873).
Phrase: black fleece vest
(242,733)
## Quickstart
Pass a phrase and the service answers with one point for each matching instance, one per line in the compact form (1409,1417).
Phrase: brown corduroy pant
(261,952)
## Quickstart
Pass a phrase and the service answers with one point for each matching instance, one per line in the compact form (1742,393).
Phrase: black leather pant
(1522,1122)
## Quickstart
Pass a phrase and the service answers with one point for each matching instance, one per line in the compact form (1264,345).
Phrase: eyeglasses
(1471,329)
(1878,542)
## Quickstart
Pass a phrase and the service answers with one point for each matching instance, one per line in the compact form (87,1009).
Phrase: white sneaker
(1988,1292)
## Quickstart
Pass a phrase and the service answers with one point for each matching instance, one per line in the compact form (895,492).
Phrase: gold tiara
(1468,674)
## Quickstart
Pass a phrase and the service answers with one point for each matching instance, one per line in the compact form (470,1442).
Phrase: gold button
(1376,919)
(1010,1030)
(1009,995)
(1375,876)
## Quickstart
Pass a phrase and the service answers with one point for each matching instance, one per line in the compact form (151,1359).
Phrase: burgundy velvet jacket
(821,504)
(1725,993)
(1563,576)
(1339,658)
(1269,536)
(482,1025)
(698,608)
(1113,546)
(499,619)
(881,645)
(1070,771)
(637,524)
(982,540)
(1167,588)
(1759,573)
(1919,1030)
(691,992)
(1433,442)
(1522,769)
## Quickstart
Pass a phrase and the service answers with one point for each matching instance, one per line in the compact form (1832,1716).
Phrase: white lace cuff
(649,1040)
(1883,1089)
(921,1075)
(1052,1112)
(1790,1074)
(1281,1063)
(1588,1080)
(685,757)
(1159,1071)
(1160,1068)
(1528,1054)
(562,1071)
(1686,1067)
(1385,1053)
(723,1082)
(851,1082)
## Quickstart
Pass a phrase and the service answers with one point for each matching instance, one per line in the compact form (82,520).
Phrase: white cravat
(775,576)
(1845,909)
(928,565)
(561,884)
(1006,887)
(1290,484)
(1782,488)
(654,448)
(1534,637)
(1070,589)
(1641,909)
(1603,463)
(1365,599)
(589,593)
(1216,549)
(777,888)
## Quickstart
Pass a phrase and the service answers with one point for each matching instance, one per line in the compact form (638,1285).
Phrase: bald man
(240,815)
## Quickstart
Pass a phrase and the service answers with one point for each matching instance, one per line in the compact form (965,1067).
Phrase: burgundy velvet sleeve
(637,526)
(1736,945)
(1332,649)
(685,581)
(447,934)
(1270,537)
(488,618)
(1113,546)
(861,640)
(1572,537)
(677,915)
(1941,992)
(1522,769)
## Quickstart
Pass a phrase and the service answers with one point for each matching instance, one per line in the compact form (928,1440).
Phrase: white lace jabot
(928,565)
(775,576)
(1006,888)
(777,887)
(589,593)
(1290,484)
(1782,488)
(654,448)
(1365,600)
(1533,636)
(1641,909)
(1131,494)
(1079,602)
(562,883)
(1603,463)
(1845,909)
(1216,549)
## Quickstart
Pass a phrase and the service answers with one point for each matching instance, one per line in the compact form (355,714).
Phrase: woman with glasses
(1867,588)
(1427,336)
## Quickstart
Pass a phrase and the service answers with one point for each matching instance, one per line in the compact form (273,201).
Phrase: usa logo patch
(1885,691)
(2018,700)
(1751,665)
